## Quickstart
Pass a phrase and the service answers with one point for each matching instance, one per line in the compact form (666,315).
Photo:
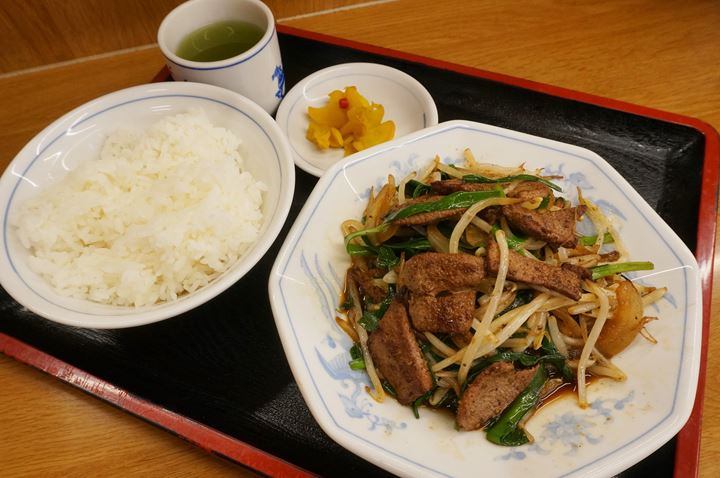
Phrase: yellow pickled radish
(348,121)
(319,134)
(336,139)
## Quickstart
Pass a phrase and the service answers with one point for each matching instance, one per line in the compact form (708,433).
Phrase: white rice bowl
(174,216)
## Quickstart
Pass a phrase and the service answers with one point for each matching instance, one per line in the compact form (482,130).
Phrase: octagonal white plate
(625,422)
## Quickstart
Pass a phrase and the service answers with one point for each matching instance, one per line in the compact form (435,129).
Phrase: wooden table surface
(661,54)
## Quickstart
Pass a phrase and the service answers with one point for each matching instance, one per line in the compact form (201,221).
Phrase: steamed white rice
(161,213)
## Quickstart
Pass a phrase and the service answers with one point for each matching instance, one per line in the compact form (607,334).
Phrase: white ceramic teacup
(256,73)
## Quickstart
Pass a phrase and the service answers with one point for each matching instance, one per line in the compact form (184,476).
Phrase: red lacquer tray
(190,375)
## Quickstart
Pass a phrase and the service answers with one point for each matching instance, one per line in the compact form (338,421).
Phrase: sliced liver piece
(365,280)
(491,392)
(557,228)
(425,217)
(435,272)
(446,313)
(397,355)
(582,272)
(449,186)
(417,200)
(534,272)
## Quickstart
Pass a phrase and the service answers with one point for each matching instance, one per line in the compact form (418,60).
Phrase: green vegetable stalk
(422,399)
(619,267)
(457,200)
(358,361)
(506,431)
(386,257)
(362,233)
(590,240)
(371,318)
(474,178)
(417,188)
(513,242)
(524,359)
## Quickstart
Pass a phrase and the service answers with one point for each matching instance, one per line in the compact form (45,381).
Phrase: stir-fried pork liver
(425,217)
(434,272)
(449,186)
(445,313)
(442,290)
(490,393)
(581,271)
(557,228)
(368,281)
(531,271)
(397,355)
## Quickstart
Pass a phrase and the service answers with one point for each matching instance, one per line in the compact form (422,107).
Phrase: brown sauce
(342,299)
(567,389)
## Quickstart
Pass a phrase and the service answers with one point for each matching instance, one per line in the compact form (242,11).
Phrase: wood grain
(55,415)
(40,97)
(655,53)
(41,32)
(639,51)
(50,31)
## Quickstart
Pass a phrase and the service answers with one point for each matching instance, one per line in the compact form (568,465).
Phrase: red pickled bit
(343,103)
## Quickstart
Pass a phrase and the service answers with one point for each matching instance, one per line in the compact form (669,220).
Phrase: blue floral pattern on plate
(308,274)
(327,285)
(572,429)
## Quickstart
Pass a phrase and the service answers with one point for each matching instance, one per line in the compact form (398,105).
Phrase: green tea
(219,41)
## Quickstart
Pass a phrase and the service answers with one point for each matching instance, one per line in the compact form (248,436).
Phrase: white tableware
(79,135)
(256,73)
(626,421)
(405,100)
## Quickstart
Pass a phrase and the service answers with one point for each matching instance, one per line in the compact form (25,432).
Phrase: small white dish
(626,421)
(406,102)
(79,135)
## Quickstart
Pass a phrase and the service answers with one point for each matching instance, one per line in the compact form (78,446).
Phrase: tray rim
(213,441)
(203,436)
